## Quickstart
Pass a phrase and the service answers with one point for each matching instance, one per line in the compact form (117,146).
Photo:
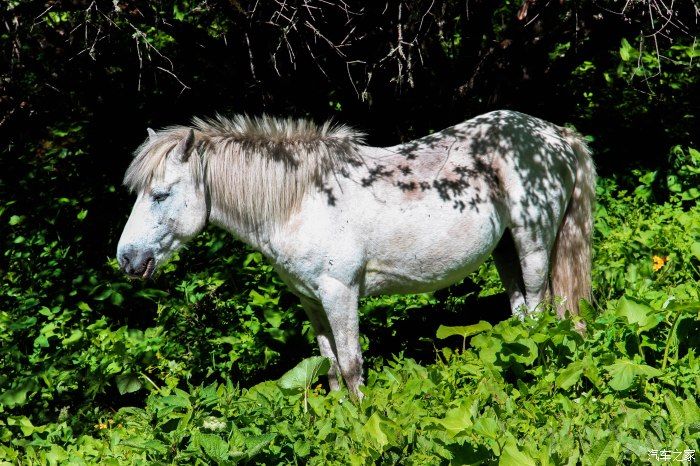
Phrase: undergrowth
(190,369)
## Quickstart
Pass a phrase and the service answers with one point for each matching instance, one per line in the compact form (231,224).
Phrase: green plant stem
(150,381)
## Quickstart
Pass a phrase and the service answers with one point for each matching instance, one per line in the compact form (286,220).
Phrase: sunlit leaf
(624,371)
(462,331)
(304,374)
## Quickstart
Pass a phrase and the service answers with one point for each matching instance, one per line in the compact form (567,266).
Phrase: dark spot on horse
(412,191)
(376,173)
(407,186)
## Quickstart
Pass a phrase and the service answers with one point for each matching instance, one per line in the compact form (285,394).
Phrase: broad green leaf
(462,331)
(513,456)
(695,249)
(569,376)
(457,420)
(591,370)
(304,374)
(523,351)
(488,427)
(23,423)
(302,448)
(17,396)
(488,346)
(636,313)
(600,451)
(624,371)
(180,399)
(57,455)
(128,383)
(273,317)
(691,411)
(374,431)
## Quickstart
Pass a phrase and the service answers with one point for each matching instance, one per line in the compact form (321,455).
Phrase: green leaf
(625,50)
(691,411)
(587,311)
(569,376)
(128,383)
(457,420)
(489,348)
(600,451)
(374,431)
(304,374)
(675,411)
(16,219)
(488,427)
(214,446)
(255,443)
(75,336)
(695,249)
(180,399)
(463,331)
(512,456)
(624,371)
(23,423)
(634,312)
(17,396)
(82,214)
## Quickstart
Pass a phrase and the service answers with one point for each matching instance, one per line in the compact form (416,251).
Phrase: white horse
(341,220)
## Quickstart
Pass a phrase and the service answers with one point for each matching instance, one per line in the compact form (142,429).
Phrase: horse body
(420,216)
(385,239)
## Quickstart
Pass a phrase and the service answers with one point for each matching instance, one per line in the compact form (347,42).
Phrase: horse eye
(160,196)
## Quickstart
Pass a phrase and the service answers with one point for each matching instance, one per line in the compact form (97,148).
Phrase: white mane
(258,169)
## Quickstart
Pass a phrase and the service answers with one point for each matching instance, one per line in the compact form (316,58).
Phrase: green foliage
(633,234)
(547,395)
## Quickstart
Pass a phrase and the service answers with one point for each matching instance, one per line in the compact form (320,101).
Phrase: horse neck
(257,236)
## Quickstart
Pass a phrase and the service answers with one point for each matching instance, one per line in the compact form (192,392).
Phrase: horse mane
(257,169)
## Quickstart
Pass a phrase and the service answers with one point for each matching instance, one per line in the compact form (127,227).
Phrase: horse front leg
(324,337)
(339,302)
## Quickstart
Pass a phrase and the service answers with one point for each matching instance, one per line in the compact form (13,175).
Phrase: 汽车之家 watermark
(671,455)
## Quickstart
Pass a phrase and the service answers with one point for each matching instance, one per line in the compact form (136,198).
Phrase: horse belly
(417,259)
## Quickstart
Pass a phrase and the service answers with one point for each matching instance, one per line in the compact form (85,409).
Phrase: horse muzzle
(135,263)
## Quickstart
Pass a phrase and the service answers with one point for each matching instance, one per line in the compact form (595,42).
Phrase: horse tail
(572,255)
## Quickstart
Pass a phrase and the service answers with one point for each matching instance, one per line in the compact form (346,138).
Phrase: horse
(341,220)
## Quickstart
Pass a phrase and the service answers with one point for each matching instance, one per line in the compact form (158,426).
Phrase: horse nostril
(124,259)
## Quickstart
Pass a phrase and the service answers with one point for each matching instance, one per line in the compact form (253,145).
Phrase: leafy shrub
(524,393)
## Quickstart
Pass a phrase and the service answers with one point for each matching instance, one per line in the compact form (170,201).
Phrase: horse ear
(183,150)
(151,133)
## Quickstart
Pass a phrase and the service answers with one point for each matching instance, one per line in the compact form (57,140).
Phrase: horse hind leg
(534,253)
(505,256)
(340,306)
